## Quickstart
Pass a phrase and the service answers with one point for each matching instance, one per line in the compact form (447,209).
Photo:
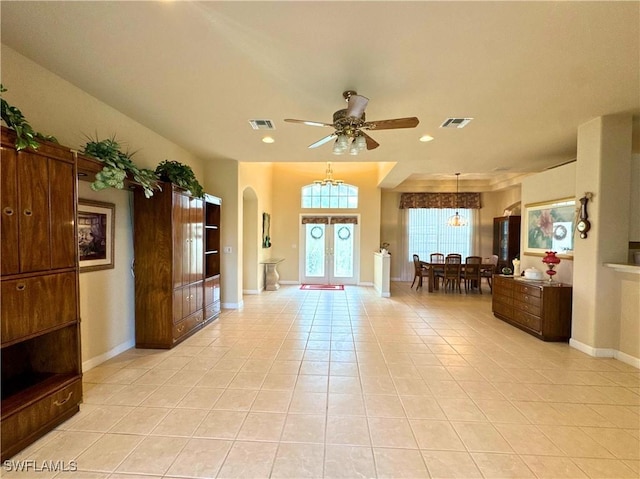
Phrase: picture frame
(96,235)
(550,226)
(266,226)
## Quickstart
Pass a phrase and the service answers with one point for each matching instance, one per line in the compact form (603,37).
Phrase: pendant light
(457,219)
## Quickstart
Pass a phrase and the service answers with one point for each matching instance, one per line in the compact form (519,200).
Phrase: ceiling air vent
(455,122)
(262,124)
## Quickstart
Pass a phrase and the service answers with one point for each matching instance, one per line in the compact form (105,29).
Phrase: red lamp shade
(551,258)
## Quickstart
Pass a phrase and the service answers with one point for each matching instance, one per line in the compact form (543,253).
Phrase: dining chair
(452,271)
(438,273)
(420,271)
(472,273)
(489,266)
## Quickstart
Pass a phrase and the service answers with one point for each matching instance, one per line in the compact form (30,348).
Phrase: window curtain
(440,200)
(318,220)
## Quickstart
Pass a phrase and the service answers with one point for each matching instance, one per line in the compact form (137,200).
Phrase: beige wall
(604,169)
(221,179)
(289,178)
(54,106)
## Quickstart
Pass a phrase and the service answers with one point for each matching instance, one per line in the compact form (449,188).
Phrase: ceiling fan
(350,123)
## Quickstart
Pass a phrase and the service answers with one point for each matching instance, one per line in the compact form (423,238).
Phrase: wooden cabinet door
(27,307)
(196,232)
(33,187)
(62,200)
(178,239)
(10,214)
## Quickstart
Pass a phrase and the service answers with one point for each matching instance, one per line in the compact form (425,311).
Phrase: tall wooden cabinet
(506,240)
(41,366)
(170,288)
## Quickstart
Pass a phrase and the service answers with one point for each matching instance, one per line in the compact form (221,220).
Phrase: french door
(329,251)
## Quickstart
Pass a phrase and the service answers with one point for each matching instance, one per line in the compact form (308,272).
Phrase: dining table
(438,266)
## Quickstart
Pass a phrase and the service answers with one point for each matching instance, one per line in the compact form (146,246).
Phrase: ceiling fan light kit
(349,125)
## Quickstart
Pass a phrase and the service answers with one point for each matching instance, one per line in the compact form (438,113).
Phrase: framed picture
(266,226)
(95,235)
(550,227)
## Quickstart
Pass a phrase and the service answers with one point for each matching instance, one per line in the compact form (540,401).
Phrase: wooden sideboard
(540,308)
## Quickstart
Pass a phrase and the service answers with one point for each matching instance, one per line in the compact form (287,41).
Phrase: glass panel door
(329,254)
(315,251)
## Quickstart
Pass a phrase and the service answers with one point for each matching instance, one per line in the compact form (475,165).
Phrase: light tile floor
(345,384)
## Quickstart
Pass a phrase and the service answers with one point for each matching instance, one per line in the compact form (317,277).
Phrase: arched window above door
(329,196)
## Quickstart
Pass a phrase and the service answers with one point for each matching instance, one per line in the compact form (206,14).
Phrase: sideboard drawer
(531,308)
(187,325)
(504,309)
(30,421)
(528,320)
(527,290)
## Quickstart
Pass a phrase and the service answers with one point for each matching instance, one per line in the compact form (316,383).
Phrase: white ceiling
(529,73)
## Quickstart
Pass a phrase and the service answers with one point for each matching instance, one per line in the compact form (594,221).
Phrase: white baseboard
(397,279)
(96,361)
(365,283)
(232,305)
(252,291)
(288,281)
(605,353)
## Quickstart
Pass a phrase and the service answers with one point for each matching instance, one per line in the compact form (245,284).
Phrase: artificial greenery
(181,175)
(117,165)
(26,137)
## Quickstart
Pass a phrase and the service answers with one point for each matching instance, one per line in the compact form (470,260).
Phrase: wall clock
(583,225)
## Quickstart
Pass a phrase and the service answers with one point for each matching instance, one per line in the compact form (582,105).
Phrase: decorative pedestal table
(271,276)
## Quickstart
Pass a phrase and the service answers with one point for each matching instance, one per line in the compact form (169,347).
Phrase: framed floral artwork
(95,235)
(550,226)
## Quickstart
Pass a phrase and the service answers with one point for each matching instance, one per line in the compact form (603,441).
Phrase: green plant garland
(116,167)
(181,175)
(26,137)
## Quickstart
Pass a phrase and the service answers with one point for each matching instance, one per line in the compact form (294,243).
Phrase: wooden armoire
(41,365)
(177,265)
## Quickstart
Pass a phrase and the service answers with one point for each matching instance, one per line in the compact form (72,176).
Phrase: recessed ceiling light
(425,138)
(268,139)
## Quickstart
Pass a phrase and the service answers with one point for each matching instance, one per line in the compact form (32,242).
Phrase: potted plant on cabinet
(117,165)
(180,175)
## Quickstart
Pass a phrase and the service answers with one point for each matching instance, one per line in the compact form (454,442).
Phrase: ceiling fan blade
(371,143)
(357,104)
(307,122)
(324,140)
(410,122)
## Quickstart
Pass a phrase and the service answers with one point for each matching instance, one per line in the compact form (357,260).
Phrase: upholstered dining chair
(486,272)
(420,271)
(471,273)
(452,272)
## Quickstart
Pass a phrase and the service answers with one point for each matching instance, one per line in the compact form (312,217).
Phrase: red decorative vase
(551,260)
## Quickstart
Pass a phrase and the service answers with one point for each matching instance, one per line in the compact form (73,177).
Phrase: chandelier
(457,219)
(328,180)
